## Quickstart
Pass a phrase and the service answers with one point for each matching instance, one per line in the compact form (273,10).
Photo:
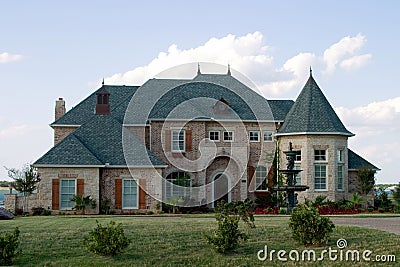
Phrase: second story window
(319,155)
(298,156)
(178,140)
(228,136)
(339,155)
(267,136)
(213,136)
(254,136)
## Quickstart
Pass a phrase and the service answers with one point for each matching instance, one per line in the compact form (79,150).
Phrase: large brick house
(196,141)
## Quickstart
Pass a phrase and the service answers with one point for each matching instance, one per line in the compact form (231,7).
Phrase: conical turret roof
(312,114)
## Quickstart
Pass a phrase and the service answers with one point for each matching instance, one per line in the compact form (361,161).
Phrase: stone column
(10,201)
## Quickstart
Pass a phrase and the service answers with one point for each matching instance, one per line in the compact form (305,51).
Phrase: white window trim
(255,181)
(172,140)
(337,180)
(341,154)
(213,131)
(326,156)
(228,141)
(59,197)
(258,137)
(137,194)
(272,136)
(326,179)
(295,159)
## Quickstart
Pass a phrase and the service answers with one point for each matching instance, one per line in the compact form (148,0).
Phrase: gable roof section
(102,138)
(280,108)
(356,161)
(82,112)
(259,105)
(312,114)
(197,99)
(69,152)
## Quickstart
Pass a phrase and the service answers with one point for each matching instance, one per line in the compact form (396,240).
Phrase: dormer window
(221,107)
(102,99)
(103,102)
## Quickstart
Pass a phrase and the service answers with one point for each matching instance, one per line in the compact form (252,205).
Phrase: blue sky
(51,49)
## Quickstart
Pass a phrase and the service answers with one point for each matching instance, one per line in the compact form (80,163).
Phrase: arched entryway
(221,188)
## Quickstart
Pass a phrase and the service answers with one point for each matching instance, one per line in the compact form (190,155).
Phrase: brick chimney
(60,108)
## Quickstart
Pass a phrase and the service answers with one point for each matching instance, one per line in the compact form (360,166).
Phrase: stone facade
(61,132)
(307,144)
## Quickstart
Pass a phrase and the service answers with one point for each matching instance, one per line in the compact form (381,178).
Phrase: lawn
(178,241)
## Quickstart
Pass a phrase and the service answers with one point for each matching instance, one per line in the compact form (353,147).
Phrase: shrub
(37,211)
(81,203)
(308,226)
(106,240)
(227,236)
(8,246)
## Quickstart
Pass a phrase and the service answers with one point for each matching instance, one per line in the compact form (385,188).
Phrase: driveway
(388,224)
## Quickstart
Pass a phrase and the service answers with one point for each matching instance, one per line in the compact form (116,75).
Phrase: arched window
(261,178)
(177,184)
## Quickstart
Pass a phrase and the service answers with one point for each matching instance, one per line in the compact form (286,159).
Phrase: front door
(221,189)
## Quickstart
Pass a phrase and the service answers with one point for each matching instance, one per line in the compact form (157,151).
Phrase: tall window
(178,140)
(340,177)
(267,136)
(67,191)
(298,176)
(320,177)
(261,178)
(183,183)
(319,155)
(254,136)
(129,194)
(339,156)
(228,136)
(213,136)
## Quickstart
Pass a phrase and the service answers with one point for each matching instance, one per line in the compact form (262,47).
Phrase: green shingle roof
(80,114)
(100,141)
(69,152)
(280,108)
(356,162)
(312,114)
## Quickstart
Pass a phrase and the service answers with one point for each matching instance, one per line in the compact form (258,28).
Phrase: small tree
(8,246)
(308,226)
(366,180)
(396,194)
(226,238)
(25,181)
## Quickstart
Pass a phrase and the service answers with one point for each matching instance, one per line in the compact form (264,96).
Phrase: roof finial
(102,83)
(229,70)
(310,71)
(198,69)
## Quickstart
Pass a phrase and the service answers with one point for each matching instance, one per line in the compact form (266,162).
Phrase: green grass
(178,241)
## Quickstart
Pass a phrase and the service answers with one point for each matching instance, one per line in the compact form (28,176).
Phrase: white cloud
(376,114)
(250,55)
(355,62)
(376,126)
(6,57)
(14,130)
(338,52)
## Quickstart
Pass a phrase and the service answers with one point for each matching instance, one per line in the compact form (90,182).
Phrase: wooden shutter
(80,184)
(118,193)
(55,194)
(167,140)
(250,173)
(142,193)
(188,140)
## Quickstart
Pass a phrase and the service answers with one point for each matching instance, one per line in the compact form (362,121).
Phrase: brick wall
(152,184)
